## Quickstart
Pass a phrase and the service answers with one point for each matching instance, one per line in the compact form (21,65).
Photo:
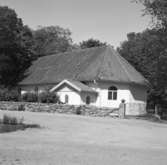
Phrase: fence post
(122,109)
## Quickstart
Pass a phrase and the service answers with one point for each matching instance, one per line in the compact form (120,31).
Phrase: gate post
(122,109)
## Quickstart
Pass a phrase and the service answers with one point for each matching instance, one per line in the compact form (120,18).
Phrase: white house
(95,76)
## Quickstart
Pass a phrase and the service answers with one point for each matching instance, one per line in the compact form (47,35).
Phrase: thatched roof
(99,63)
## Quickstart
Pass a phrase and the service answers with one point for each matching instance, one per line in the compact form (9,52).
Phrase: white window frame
(112,93)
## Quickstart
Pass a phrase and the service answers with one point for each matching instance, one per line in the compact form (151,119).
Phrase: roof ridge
(147,82)
(123,67)
(129,64)
(101,65)
(74,50)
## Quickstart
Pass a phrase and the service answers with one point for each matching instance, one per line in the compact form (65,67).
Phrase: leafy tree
(16,51)
(145,51)
(91,43)
(157,9)
(52,39)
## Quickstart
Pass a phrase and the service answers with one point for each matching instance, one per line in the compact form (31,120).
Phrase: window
(87,100)
(66,99)
(112,93)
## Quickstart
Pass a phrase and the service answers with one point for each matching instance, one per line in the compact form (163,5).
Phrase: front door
(87,100)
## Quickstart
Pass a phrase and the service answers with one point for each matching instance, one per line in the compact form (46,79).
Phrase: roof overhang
(73,85)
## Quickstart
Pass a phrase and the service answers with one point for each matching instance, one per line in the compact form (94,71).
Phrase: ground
(80,140)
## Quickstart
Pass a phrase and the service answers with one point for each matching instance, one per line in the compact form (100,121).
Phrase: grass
(82,140)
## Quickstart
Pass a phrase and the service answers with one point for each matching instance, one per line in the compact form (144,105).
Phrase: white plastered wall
(138,99)
(123,92)
(93,98)
(134,95)
(73,96)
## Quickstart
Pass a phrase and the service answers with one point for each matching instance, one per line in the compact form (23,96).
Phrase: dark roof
(75,84)
(98,63)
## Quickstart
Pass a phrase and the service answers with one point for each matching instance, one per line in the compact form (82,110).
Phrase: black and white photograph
(83,82)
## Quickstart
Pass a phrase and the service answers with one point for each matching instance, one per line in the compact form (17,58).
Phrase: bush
(9,124)
(29,97)
(47,97)
(78,110)
(9,95)
(21,107)
(11,120)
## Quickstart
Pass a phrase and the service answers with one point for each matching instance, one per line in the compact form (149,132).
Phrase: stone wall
(59,108)
(133,109)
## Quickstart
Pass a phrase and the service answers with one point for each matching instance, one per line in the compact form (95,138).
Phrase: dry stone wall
(134,109)
(59,108)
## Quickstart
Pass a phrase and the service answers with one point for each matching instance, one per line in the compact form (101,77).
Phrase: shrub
(11,120)
(9,124)
(78,110)
(47,97)
(29,97)
(9,95)
(21,107)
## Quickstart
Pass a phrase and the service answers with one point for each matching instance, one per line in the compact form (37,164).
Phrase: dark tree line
(16,52)
(147,51)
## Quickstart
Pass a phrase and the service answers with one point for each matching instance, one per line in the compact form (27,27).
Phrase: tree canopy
(146,52)
(16,42)
(157,9)
(52,39)
(91,43)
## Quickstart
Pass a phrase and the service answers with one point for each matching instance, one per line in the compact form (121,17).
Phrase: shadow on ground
(4,128)
(148,117)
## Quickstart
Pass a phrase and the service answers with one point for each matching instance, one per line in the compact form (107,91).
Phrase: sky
(106,20)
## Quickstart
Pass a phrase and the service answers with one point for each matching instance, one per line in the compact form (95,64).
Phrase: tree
(145,51)
(52,39)
(16,51)
(157,9)
(91,43)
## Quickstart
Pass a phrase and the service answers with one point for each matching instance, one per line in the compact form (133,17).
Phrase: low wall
(135,109)
(60,108)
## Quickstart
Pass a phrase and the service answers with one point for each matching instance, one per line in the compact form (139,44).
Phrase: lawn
(80,140)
